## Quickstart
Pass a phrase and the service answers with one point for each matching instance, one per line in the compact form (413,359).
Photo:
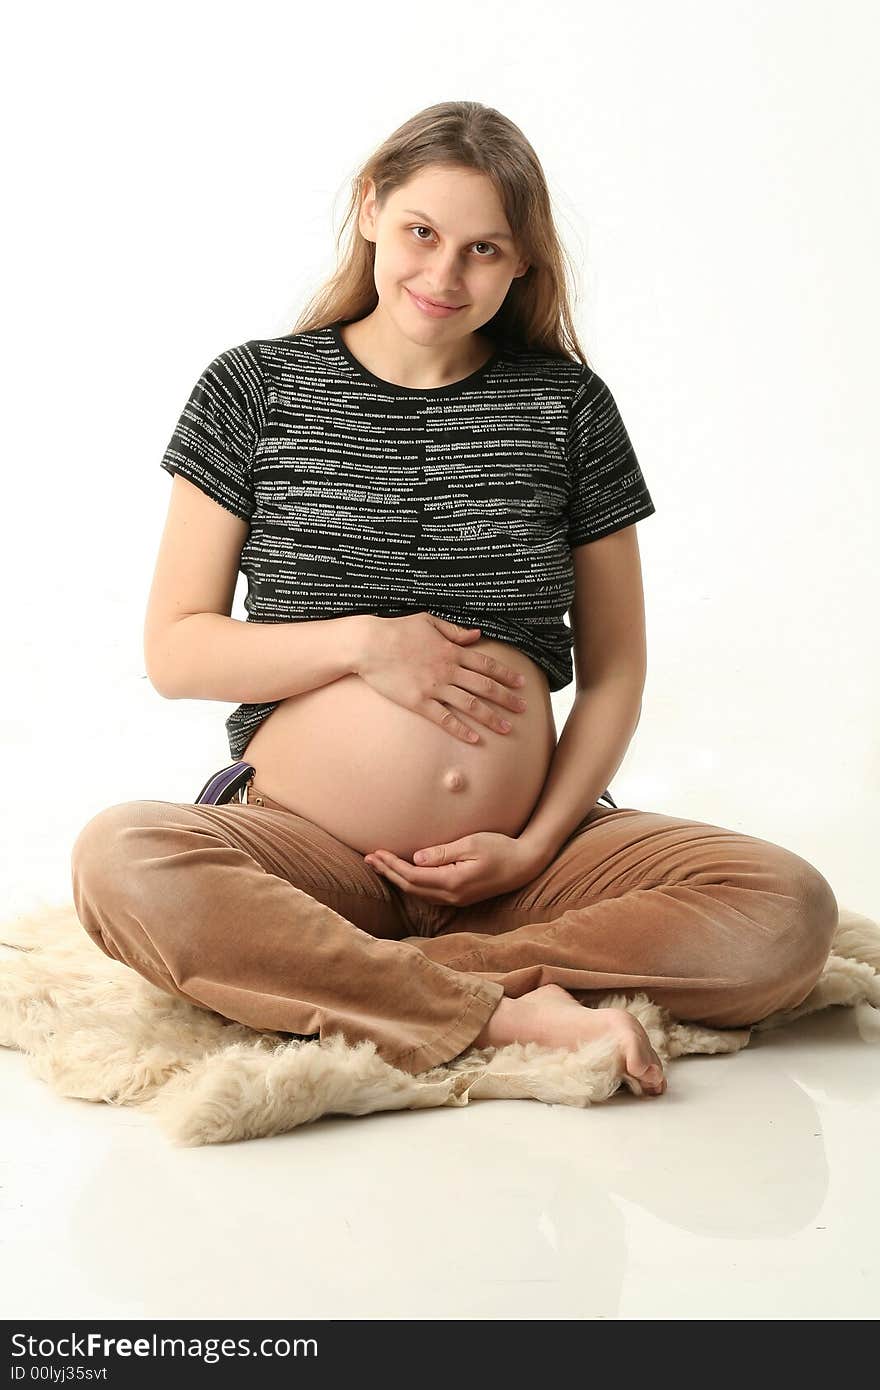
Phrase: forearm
(591,748)
(208,656)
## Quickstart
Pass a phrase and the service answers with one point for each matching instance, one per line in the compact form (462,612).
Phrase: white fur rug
(94,1029)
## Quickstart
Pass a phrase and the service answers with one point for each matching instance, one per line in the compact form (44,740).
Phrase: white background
(176,177)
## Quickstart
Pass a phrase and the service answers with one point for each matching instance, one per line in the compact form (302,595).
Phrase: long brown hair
(536,312)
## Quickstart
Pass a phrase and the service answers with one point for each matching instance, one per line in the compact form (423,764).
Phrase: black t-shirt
(463,501)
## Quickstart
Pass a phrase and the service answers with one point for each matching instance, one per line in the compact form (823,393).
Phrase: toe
(653,1079)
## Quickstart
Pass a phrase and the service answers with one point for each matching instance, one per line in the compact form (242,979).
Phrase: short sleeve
(608,490)
(215,439)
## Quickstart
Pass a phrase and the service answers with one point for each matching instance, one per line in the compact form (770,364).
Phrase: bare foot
(549,1015)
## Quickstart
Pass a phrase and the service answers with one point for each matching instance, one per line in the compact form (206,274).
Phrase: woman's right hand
(418,661)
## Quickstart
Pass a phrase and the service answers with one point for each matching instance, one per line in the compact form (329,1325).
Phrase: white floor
(748,1191)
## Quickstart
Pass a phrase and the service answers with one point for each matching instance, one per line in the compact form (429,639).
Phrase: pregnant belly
(378,776)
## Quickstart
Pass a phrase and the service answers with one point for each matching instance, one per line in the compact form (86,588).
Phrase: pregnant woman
(419,483)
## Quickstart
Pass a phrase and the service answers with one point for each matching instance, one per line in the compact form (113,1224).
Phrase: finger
(385,859)
(454,631)
(496,670)
(413,890)
(432,854)
(479,683)
(432,879)
(476,709)
(458,852)
(447,720)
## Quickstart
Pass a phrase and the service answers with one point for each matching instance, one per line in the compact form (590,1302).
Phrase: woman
(419,483)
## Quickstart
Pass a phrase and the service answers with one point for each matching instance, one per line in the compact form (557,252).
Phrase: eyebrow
(498,236)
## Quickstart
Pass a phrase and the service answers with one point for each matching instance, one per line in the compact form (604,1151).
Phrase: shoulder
(250,372)
(574,383)
(593,408)
(540,368)
(266,354)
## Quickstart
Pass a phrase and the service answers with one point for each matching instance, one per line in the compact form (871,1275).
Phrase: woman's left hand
(464,871)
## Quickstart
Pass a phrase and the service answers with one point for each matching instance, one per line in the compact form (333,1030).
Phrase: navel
(454,780)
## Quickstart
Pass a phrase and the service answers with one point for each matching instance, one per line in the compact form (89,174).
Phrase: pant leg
(264,917)
(715,925)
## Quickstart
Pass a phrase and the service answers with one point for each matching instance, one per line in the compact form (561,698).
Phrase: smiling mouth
(437,303)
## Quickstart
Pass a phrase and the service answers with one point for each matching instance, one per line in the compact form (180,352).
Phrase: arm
(608,628)
(195,651)
(208,656)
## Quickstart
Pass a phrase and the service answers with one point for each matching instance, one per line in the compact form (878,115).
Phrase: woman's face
(443,236)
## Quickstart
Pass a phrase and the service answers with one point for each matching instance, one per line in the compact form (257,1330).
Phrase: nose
(446,283)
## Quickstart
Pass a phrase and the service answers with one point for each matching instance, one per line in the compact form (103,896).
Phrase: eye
(491,244)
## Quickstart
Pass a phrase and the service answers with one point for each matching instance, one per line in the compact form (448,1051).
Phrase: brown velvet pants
(265,918)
